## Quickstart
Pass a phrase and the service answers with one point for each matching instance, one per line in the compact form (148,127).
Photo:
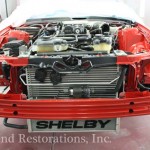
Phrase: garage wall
(11,4)
(141,7)
(147,13)
(135,4)
(2,9)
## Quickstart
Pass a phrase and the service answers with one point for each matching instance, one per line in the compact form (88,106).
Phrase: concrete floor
(134,135)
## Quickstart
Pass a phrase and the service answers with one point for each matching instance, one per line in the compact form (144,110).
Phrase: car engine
(70,59)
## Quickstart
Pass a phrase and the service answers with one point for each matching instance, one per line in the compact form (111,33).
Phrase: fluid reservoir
(102,43)
(50,45)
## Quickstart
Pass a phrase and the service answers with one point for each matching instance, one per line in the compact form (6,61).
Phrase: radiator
(96,79)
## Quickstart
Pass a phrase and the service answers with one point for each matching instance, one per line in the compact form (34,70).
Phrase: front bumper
(15,106)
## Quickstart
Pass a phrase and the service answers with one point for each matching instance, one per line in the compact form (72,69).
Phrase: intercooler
(97,79)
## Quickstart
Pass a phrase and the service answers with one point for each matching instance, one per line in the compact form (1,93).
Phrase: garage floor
(134,135)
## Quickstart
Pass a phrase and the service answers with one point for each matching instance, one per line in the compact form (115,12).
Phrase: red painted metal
(68,109)
(134,40)
(20,35)
(131,103)
(10,32)
(14,61)
(145,31)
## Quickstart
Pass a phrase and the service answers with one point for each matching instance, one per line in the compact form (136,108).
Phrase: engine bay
(73,59)
(70,37)
(74,71)
(75,36)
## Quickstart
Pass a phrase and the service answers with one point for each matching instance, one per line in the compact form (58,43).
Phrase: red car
(71,65)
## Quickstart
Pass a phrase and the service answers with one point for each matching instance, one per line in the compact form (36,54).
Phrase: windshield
(34,9)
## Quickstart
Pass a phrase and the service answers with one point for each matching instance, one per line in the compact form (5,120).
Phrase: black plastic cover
(14,47)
